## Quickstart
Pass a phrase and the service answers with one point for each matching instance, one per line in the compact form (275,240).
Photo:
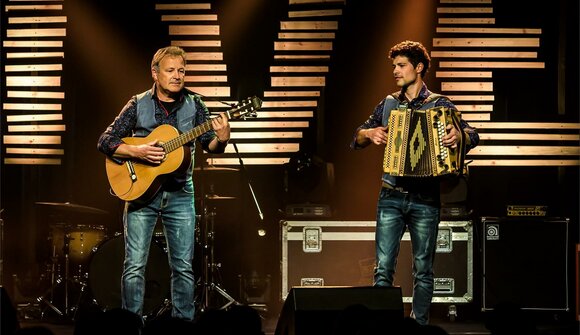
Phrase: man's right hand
(377,135)
(149,152)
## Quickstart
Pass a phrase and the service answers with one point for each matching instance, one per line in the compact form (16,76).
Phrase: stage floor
(269,327)
(457,327)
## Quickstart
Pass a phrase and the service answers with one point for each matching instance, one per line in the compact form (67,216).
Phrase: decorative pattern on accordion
(414,146)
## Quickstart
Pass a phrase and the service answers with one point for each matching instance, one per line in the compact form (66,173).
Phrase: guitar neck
(188,136)
(250,106)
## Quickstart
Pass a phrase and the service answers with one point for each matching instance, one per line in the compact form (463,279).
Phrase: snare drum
(82,239)
(106,268)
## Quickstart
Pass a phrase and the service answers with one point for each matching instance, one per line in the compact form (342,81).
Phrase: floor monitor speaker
(323,310)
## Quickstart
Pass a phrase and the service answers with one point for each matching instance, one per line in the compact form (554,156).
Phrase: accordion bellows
(414,145)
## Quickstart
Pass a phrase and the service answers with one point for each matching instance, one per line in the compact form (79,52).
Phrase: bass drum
(106,268)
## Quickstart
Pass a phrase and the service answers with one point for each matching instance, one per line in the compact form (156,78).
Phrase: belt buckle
(398,189)
(401,190)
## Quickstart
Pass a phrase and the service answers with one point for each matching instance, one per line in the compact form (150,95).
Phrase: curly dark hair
(414,51)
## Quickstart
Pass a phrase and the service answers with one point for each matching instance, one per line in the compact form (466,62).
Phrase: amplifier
(308,211)
(525,261)
(520,210)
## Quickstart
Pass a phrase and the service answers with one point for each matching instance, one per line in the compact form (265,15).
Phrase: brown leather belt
(391,187)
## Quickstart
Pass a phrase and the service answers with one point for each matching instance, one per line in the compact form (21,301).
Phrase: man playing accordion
(409,201)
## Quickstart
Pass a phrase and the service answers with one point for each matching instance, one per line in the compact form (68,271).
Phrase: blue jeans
(419,213)
(177,212)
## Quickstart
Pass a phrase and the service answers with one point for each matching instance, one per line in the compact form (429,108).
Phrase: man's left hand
(221,126)
(452,138)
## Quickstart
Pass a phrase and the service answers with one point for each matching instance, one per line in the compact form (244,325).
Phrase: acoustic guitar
(136,179)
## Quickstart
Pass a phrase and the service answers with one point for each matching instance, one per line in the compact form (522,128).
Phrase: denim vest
(392,102)
(146,122)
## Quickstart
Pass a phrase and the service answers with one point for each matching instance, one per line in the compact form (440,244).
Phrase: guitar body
(149,177)
(132,180)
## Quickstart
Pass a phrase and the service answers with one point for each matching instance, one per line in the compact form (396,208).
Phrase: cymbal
(218,197)
(212,168)
(69,207)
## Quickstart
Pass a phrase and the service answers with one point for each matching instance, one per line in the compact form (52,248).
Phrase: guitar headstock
(246,108)
(256,104)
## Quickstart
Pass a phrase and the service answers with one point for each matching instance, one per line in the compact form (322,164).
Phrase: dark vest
(146,122)
(146,119)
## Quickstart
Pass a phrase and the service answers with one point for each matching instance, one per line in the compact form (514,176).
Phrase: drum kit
(93,263)
(71,247)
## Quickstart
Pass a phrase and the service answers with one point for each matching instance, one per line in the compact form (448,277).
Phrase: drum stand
(61,281)
(209,266)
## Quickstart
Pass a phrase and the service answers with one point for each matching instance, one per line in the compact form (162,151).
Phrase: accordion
(414,144)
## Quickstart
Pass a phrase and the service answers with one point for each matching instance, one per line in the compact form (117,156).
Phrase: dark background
(108,51)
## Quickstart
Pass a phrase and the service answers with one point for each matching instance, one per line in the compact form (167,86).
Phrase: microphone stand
(243,168)
(244,172)
(208,283)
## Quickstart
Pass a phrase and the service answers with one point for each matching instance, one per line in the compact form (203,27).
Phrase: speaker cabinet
(323,310)
(525,262)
